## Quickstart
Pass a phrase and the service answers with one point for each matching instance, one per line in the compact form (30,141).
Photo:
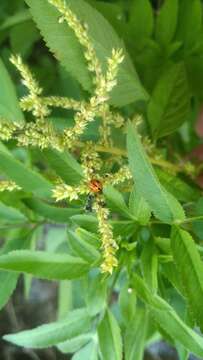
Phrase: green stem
(189,220)
(121,152)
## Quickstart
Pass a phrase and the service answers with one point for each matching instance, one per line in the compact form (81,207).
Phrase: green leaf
(44,265)
(116,202)
(167,22)
(141,19)
(23,37)
(55,239)
(96,295)
(170,102)
(64,165)
(110,341)
(20,241)
(9,107)
(134,341)
(65,298)
(197,225)
(88,222)
(17,18)
(8,283)
(82,249)
(113,12)
(127,303)
(64,44)
(61,40)
(182,352)
(190,22)
(178,210)
(51,212)
(75,344)
(123,228)
(28,179)
(168,319)
(90,352)
(90,238)
(165,207)
(9,214)
(77,322)
(8,280)
(190,269)
(170,271)
(177,187)
(139,208)
(149,265)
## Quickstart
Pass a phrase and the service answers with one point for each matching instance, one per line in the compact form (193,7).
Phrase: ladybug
(95,186)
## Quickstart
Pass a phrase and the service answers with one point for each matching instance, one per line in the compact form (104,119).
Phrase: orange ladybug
(95,186)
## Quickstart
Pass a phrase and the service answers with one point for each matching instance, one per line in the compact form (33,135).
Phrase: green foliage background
(157,290)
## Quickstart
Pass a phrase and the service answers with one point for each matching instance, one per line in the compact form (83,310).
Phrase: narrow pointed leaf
(190,269)
(90,352)
(89,237)
(116,202)
(168,319)
(9,107)
(50,211)
(18,18)
(127,304)
(177,186)
(141,19)
(77,322)
(8,280)
(134,341)
(75,344)
(165,207)
(28,179)
(139,208)
(190,22)
(167,22)
(10,214)
(110,341)
(88,222)
(149,265)
(170,102)
(44,265)
(96,295)
(82,249)
(64,165)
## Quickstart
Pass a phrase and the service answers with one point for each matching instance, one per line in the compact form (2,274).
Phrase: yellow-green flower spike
(109,245)
(8,185)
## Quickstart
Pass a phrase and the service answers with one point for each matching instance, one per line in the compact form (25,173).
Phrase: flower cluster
(7,129)
(94,107)
(33,101)
(109,245)
(103,83)
(42,133)
(122,175)
(81,32)
(8,185)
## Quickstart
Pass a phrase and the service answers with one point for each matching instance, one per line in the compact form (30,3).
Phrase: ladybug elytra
(95,186)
